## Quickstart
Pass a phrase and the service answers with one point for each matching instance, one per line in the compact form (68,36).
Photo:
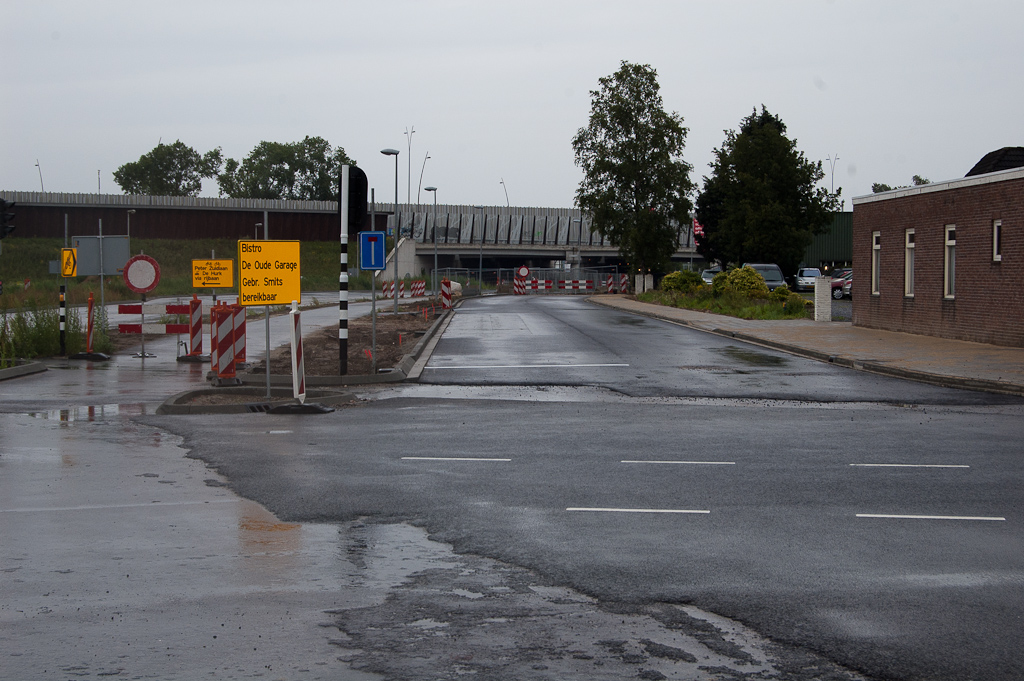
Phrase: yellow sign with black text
(69,262)
(213,273)
(268,272)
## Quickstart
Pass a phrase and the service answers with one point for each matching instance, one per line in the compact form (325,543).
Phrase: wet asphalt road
(754,461)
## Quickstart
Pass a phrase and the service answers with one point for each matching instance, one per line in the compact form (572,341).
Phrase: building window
(876,257)
(997,241)
(908,266)
(950,270)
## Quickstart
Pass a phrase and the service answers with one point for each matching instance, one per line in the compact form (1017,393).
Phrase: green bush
(686,281)
(781,294)
(746,281)
(719,284)
(795,304)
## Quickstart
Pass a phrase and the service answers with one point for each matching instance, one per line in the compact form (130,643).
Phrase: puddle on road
(752,357)
(95,412)
(467,615)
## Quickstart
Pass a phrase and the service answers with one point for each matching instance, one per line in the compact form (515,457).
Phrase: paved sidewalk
(951,363)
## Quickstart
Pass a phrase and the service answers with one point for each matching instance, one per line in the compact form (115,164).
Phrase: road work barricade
(576,285)
(161,310)
(222,344)
(446,294)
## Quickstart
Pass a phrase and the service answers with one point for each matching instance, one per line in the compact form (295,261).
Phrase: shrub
(781,294)
(746,281)
(719,284)
(795,304)
(686,281)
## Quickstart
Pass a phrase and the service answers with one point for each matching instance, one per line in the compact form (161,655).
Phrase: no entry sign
(141,274)
(523,271)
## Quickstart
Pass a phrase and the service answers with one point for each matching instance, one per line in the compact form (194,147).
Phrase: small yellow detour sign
(213,273)
(268,272)
(69,262)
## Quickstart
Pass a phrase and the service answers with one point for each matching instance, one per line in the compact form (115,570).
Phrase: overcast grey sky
(497,90)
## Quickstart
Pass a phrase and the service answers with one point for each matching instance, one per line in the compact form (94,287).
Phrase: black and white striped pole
(63,320)
(343,199)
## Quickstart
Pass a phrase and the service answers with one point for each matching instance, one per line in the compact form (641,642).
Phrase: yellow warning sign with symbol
(69,262)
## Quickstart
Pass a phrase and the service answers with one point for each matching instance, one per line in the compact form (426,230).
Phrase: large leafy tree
(305,170)
(761,202)
(636,186)
(169,170)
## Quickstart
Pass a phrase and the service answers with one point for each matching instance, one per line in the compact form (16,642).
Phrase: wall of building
(988,306)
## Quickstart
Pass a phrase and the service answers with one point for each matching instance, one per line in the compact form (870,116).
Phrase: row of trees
(760,203)
(306,170)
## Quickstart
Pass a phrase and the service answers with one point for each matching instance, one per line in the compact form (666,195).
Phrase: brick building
(943,259)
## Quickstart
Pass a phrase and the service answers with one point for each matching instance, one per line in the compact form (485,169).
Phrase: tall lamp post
(129,229)
(502,183)
(40,169)
(394,152)
(433,278)
(425,157)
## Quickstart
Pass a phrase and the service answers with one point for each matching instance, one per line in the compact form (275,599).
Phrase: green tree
(761,203)
(636,186)
(306,170)
(169,170)
(879,187)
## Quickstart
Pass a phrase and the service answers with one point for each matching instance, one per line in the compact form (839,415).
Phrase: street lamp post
(425,157)
(433,278)
(394,152)
(506,191)
(40,169)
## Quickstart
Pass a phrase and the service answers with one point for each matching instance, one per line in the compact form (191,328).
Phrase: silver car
(709,274)
(805,278)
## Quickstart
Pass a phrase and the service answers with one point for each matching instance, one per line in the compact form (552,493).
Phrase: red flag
(698,229)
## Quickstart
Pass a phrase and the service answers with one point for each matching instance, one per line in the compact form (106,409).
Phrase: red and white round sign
(523,271)
(141,274)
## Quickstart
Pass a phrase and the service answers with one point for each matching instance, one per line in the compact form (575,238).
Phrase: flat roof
(987,178)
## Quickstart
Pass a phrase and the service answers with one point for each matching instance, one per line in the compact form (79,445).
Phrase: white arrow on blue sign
(371,251)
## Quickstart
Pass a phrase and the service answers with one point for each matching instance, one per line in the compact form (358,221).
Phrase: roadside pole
(343,199)
(266,308)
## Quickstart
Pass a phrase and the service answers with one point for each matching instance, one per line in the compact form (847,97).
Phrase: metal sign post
(372,256)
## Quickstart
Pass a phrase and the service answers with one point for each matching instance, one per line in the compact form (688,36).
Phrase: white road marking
(529,366)
(695,463)
(926,517)
(447,458)
(279,432)
(909,465)
(636,510)
(103,507)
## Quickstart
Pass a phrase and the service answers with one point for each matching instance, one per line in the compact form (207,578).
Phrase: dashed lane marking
(637,510)
(926,517)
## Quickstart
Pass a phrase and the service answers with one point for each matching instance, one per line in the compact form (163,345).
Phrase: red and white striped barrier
(624,283)
(222,341)
(298,363)
(238,329)
(576,285)
(609,284)
(539,285)
(519,286)
(419,289)
(446,294)
(140,309)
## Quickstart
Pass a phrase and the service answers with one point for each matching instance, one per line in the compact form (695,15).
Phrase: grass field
(24,260)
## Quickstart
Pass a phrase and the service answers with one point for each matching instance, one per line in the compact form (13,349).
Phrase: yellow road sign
(213,273)
(268,272)
(69,262)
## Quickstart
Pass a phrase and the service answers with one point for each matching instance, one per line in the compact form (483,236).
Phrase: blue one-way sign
(371,251)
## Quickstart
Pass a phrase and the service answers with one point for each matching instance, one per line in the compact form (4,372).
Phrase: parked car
(709,274)
(838,282)
(840,272)
(848,287)
(771,273)
(804,280)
